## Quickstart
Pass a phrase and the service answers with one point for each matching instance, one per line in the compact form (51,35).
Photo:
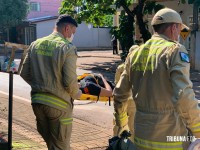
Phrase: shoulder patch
(73,48)
(184,57)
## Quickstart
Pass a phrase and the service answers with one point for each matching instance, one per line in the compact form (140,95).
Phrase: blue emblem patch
(184,57)
(194,144)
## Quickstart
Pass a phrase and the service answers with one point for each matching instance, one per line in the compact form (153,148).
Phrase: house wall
(44,28)
(47,8)
(93,37)
(84,37)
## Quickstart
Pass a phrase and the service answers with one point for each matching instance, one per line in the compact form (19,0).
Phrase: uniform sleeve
(118,73)
(26,70)
(121,94)
(184,97)
(69,72)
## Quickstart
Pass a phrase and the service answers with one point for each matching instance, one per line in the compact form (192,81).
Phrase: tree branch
(127,10)
(139,15)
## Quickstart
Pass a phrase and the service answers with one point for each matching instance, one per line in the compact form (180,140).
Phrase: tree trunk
(146,35)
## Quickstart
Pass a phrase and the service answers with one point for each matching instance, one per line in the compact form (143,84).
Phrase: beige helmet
(167,15)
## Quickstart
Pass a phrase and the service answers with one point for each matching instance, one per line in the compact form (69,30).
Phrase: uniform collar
(56,33)
(156,35)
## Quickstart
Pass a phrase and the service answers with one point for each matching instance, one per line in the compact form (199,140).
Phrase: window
(30,34)
(34,6)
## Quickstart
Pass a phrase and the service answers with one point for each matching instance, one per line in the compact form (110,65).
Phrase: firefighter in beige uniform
(50,69)
(157,74)
(131,104)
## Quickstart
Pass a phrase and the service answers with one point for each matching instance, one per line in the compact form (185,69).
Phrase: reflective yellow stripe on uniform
(66,121)
(196,128)
(123,116)
(158,145)
(147,55)
(49,99)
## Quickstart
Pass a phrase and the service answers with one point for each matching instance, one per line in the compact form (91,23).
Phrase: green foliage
(193,1)
(124,33)
(108,21)
(151,7)
(183,1)
(90,11)
(12,12)
(119,3)
(190,1)
(97,13)
(100,13)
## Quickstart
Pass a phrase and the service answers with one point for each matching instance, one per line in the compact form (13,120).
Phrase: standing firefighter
(157,75)
(50,69)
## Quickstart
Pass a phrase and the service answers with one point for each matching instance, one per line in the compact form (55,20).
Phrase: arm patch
(184,57)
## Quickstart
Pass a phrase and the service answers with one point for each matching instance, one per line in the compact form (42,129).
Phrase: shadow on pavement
(106,68)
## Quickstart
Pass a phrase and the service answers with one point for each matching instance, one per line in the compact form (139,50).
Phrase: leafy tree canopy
(90,11)
(94,11)
(12,12)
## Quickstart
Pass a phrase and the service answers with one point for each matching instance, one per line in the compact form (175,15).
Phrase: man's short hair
(65,19)
(160,28)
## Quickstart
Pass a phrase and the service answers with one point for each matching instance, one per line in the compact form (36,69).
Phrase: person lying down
(95,84)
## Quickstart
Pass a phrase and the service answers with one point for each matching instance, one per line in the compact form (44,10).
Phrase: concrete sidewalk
(84,135)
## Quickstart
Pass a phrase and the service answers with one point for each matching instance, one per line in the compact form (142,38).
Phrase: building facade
(41,20)
(191,42)
(42,8)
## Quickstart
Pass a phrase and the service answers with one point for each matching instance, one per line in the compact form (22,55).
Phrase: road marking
(18,97)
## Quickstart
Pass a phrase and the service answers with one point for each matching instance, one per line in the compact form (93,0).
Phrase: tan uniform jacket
(162,90)
(130,108)
(118,73)
(50,67)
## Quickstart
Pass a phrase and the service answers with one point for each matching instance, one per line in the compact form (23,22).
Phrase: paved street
(92,126)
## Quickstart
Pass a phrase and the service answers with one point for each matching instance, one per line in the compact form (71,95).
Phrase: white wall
(44,28)
(93,37)
(84,37)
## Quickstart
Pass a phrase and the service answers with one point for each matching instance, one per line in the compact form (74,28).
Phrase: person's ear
(66,28)
(174,27)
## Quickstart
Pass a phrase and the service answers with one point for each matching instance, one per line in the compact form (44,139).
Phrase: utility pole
(195,27)
(116,23)
(197,35)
